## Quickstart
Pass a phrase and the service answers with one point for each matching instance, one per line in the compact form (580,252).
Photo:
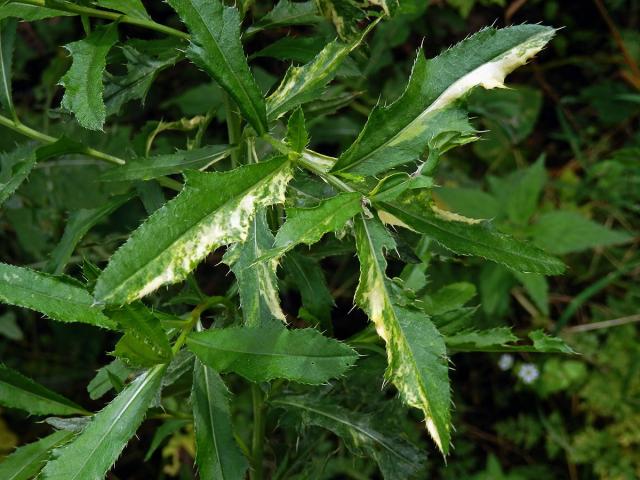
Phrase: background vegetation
(559,164)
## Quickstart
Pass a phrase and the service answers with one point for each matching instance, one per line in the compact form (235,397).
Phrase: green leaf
(168,164)
(142,70)
(83,82)
(144,343)
(257,281)
(519,192)
(399,133)
(479,340)
(216,48)
(132,8)
(16,166)
(213,209)
(56,297)
(262,354)
(7,40)
(103,381)
(546,343)
(217,454)
(448,298)
(308,277)
(287,13)
(26,462)
(416,352)
(308,225)
(306,83)
(469,202)
(79,223)
(471,237)
(297,135)
(18,391)
(395,456)
(168,428)
(29,12)
(501,339)
(94,451)
(563,232)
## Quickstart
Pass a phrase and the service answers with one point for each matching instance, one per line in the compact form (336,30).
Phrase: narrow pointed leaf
(304,84)
(217,454)
(83,82)
(102,382)
(79,223)
(95,450)
(18,391)
(416,351)
(257,281)
(132,8)
(168,164)
(7,40)
(400,132)
(26,462)
(55,297)
(297,135)
(501,339)
(396,457)
(216,48)
(308,225)
(472,237)
(213,209)
(262,354)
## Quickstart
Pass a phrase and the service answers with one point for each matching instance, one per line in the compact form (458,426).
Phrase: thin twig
(616,322)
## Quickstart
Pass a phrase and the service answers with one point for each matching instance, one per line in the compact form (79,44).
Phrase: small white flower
(528,373)
(505,362)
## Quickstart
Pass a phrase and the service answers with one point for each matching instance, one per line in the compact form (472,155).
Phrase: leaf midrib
(115,421)
(236,78)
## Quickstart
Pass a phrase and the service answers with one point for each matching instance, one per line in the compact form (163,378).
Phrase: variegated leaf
(257,281)
(213,209)
(467,236)
(304,84)
(400,132)
(416,351)
(308,225)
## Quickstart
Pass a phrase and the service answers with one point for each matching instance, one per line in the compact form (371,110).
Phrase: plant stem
(312,161)
(114,16)
(21,128)
(234,130)
(259,425)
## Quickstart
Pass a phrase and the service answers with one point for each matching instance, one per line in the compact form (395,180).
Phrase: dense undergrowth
(390,268)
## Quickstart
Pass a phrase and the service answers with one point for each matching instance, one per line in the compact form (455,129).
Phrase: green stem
(259,426)
(114,16)
(312,161)
(234,130)
(19,127)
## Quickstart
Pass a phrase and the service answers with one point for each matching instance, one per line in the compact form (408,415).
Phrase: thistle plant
(262,200)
